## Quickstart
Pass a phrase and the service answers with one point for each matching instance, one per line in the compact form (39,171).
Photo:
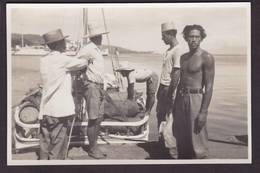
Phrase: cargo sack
(117,108)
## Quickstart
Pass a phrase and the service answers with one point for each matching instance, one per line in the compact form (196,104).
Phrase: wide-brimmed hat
(168,26)
(53,36)
(125,66)
(94,30)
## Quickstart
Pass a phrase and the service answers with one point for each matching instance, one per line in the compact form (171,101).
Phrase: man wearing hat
(140,75)
(94,87)
(170,72)
(57,105)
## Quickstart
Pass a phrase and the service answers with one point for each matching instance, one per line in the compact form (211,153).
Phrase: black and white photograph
(111,83)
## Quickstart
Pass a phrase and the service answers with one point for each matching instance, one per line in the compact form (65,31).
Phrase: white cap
(168,26)
(94,30)
(125,66)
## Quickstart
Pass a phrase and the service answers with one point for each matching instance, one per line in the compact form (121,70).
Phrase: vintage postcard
(129,83)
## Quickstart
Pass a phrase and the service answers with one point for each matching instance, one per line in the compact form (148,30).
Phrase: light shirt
(170,59)
(57,100)
(95,71)
(139,75)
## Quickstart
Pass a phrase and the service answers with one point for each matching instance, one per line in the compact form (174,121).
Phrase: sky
(138,26)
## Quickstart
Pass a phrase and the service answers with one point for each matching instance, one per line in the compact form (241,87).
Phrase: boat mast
(85,25)
(22,39)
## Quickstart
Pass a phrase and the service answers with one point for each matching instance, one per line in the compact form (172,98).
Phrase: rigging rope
(117,75)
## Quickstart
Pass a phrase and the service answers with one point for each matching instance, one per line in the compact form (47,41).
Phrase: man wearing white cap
(93,87)
(57,105)
(170,72)
(140,75)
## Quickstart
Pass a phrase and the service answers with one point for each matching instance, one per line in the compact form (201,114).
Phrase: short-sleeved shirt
(95,70)
(139,75)
(170,59)
(55,68)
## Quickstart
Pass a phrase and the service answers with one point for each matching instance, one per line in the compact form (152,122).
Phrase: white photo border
(9,8)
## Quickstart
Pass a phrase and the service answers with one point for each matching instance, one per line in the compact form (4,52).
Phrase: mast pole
(85,25)
(22,39)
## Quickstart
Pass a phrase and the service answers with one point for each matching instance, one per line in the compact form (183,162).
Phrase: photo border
(255,109)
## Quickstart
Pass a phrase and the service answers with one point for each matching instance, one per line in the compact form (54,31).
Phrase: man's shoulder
(58,56)
(178,50)
(185,54)
(207,57)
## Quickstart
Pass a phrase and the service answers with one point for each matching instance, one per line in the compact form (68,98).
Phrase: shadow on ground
(156,150)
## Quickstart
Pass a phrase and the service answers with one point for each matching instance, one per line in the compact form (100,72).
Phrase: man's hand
(169,105)
(200,122)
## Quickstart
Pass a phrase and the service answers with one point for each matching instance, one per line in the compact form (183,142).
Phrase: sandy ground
(25,73)
(143,151)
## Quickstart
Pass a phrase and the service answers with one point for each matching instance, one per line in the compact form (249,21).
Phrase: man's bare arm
(208,81)
(175,76)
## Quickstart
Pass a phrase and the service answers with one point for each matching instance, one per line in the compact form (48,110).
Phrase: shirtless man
(194,94)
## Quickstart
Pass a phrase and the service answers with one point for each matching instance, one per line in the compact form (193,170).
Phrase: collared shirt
(96,69)
(170,59)
(55,68)
(139,75)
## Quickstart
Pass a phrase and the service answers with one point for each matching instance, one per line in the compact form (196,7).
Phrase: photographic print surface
(134,35)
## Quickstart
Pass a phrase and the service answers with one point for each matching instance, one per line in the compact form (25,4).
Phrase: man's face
(124,73)
(166,38)
(194,39)
(63,44)
(97,39)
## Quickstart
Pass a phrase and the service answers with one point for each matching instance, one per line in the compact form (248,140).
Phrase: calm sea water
(228,108)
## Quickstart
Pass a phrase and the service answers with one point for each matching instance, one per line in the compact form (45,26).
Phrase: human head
(97,40)
(95,33)
(194,34)
(58,46)
(169,32)
(55,40)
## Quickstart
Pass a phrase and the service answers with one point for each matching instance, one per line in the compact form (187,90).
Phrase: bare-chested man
(194,93)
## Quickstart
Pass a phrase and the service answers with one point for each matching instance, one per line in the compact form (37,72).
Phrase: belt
(191,90)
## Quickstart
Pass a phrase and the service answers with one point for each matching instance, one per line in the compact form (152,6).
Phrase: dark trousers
(190,145)
(161,103)
(54,137)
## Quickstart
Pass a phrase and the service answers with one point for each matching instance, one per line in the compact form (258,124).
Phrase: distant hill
(34,39)
(122,50)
